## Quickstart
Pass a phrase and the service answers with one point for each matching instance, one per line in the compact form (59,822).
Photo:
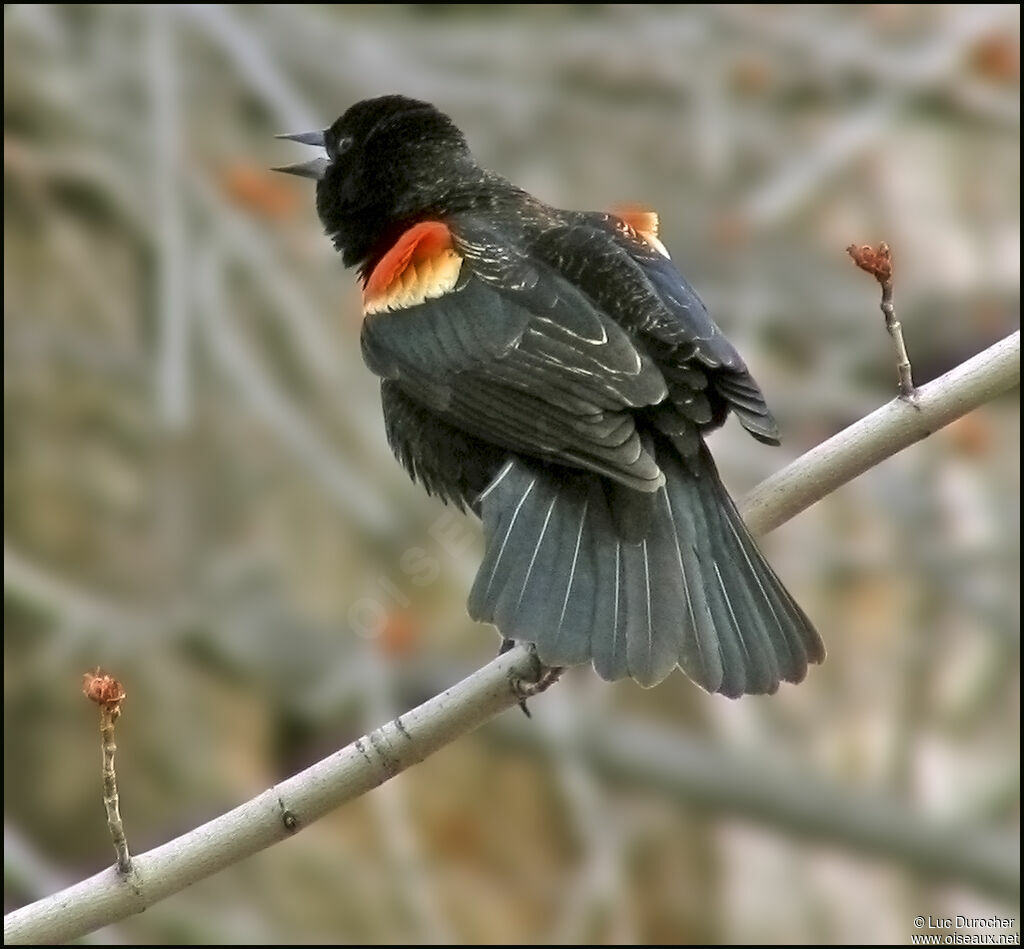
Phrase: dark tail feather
(695,592)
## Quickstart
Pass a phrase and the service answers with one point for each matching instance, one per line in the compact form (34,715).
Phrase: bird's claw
(545,677)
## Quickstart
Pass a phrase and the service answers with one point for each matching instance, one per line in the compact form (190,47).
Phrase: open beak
(315,168)
(305,138)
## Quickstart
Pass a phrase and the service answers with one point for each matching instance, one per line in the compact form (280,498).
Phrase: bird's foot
(546,676)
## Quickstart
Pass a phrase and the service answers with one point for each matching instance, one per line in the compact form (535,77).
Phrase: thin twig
(878,263)
(108,694)
(882,434)
(279,812)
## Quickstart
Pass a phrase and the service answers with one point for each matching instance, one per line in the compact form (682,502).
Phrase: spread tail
(694,592)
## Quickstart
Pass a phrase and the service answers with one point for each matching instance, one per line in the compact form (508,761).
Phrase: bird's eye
(343,145)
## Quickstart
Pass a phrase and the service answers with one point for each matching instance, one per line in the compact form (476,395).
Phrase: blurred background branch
(742,783)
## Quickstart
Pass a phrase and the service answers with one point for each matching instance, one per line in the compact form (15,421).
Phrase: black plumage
(553,372)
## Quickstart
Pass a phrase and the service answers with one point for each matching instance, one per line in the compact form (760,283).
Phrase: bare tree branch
(883,433)
(385,752)
(279,812)
(28,871)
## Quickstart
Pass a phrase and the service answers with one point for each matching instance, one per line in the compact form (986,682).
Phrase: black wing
(516,356)
(639,287)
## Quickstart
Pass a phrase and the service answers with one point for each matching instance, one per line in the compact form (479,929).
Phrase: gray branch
(370,761)
(883,433)
(277,813)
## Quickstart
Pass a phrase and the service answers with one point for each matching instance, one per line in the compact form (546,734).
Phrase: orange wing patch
(644,222)
(423,265)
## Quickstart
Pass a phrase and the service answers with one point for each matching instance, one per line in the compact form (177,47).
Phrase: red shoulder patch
(644,222)
(422,265)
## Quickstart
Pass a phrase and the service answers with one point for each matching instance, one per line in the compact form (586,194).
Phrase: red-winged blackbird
(552,371)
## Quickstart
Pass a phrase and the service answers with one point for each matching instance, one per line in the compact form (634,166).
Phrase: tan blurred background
(198,495)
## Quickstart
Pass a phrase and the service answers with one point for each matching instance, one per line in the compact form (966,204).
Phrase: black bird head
(390,161)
